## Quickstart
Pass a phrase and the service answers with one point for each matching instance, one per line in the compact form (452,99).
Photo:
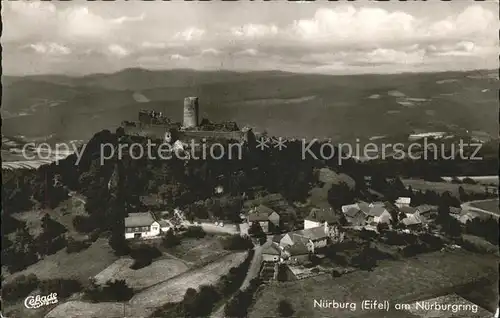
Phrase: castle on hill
(154,125)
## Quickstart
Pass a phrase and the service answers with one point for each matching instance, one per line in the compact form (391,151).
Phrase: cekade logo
(38,301)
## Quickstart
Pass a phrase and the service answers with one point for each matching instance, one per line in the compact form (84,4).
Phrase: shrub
(285,309)
(63,287)
(336,273)
(20,287)
(75,246)
(468,181)
(170,239)
(117,290)
(237,243)
(143,255)
(195,232)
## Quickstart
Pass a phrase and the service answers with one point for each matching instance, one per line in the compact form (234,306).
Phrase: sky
(81,37)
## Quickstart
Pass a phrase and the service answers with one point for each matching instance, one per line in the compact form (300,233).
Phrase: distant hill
(342,107)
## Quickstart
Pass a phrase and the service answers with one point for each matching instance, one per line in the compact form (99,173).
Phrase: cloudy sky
(81,37)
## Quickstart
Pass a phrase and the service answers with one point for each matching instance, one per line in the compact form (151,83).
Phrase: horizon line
(250,71)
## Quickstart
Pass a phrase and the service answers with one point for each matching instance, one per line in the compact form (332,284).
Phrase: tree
(285,309)
(339,195)
(464,197)
(282,273)
(237,243)
(256,231)
(170,239)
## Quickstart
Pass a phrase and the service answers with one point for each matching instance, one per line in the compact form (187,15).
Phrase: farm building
(403,201)
(408,210)
(355,217)
(320,215)
(313,238)
(141,225)
(271,253)
(427,211)
(266,217)
(297,253)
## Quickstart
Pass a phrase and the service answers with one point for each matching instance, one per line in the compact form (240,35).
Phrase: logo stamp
(33,302)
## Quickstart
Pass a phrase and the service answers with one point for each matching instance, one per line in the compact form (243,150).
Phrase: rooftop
(297,249)
(139,219)
(315,233)
(260,213)
(323,214)
(271,250)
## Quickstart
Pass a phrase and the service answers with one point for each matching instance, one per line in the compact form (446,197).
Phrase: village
(319,230)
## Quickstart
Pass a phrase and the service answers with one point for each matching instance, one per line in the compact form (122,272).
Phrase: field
(198,250)
(440,187)
(421,277)
(173,290)
(479,179)
(488,205)
(144,303)
(81,266)
(158,271)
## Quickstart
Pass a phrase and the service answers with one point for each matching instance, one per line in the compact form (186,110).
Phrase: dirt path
(253,271)
(468,206)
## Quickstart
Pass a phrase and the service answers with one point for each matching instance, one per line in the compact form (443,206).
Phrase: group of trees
(239,305)
(23,285)
(116,290)
(25,249)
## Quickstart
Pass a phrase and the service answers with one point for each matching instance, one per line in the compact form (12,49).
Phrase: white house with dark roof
(319,216)
(141,225)
(403,201)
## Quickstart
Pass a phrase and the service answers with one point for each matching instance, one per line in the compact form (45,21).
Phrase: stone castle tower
(191,112)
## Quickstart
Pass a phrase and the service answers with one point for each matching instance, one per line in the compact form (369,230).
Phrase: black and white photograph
(250,159)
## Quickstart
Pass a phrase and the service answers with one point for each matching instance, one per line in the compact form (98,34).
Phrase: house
(345,208)
(412,221)
(141,225)
(403,201)
(313,238)
(318,216)
(277,238)
(355,217)
(427,210)
(374,214)
(297,253)
(377,203)
(271,253)
(408,210)
(469,216)
(455,210)
(385,217)
(266,217)
(165,225)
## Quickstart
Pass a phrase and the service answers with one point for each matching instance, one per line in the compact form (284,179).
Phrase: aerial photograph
(250,159)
